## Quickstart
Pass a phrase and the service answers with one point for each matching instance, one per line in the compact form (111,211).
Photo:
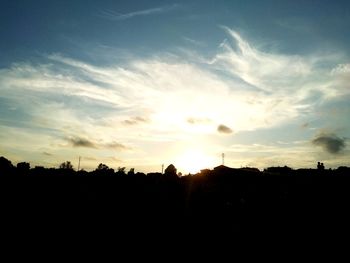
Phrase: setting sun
(193,161)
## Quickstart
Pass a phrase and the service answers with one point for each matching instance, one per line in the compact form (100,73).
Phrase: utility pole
(79,164)
(223,158)
(162,168)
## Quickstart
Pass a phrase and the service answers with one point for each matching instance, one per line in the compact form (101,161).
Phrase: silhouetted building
(205,171)
(278,170)
(154,174)
(224,169)
(250,169)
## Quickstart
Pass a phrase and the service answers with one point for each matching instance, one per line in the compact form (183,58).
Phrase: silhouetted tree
(66,165)
(170,170)
(103,170)
(131,172)
(6,166)
(23,167)
(102,166)
(121,171)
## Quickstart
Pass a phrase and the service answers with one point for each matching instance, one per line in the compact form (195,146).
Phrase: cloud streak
(116,146)
(135,120)
(115,16)
(193,120)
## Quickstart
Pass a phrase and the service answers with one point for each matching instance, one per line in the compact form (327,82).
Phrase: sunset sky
(145,83)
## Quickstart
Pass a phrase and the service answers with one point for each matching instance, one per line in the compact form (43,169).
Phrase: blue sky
(141,83)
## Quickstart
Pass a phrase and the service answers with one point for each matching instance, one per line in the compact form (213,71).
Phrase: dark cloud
(224,129)
(329,142)
(81,142)
(135,120)
(116,145)
(192,120)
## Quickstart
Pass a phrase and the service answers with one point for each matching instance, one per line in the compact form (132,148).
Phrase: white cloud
(341,69)
(260,69)
(171,91)
(294,154)
(243,88)
(340,79)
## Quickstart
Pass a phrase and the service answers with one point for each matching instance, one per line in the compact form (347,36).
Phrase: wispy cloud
(174,100)
(194,42)
(193,120)
(116,146)
(268,72)
(170,90)
(296,24)
(112,15)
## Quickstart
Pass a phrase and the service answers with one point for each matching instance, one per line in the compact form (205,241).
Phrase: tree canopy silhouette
(102,166)
(170,170)
(66,165)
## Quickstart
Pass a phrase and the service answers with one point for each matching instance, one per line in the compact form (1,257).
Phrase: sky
(145,83)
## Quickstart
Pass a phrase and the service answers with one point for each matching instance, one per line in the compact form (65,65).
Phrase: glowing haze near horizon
(145,83)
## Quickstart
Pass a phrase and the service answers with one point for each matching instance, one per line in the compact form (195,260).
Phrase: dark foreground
(229,204)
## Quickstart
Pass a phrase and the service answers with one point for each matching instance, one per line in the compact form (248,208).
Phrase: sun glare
(193,161)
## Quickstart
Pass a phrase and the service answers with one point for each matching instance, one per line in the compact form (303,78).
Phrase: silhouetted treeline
(221,202)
